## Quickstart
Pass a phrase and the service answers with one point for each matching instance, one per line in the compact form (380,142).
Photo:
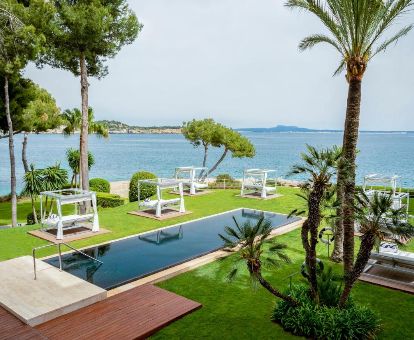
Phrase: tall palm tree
(319,166)
(73,122)
(356,31)
(248,241)
(378,222)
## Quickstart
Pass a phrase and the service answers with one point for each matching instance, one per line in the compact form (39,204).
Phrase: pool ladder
(59,246)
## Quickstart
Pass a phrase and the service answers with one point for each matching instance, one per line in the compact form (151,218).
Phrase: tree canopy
(208,133)
(95,28)
(32,108)
(356,28)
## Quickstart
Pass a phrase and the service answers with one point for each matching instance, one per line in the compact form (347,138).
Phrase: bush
(322,322)
(146,190)
(99,185)
(30,218)
(225,181)
(224,177)
(106,200)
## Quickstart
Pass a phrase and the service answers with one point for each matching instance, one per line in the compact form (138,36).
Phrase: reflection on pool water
(138,256)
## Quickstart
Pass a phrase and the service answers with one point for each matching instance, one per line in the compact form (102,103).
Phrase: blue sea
(119,156)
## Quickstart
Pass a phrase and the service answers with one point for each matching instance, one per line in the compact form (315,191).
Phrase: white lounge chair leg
(192,189)
(264,193)
(158,210)
(95,226)
(59,234)
(182,207)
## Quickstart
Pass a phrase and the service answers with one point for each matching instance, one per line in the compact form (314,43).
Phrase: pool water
(138,256)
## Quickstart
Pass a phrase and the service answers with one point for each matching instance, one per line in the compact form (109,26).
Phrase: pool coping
(191,264)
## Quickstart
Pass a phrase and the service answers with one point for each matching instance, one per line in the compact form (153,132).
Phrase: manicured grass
(16,242)
(237,310)
(230,310)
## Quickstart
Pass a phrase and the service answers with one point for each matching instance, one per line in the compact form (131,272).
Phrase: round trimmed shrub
(146,190)
(99,185)
(323,322)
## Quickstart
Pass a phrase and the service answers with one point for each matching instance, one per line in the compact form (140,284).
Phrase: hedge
(99,185)
(106,200)
(146,190)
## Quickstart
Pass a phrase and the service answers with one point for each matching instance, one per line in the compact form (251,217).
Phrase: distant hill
(290,128)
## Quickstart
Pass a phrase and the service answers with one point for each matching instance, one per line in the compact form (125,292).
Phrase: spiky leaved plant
(378,221)
(248,241)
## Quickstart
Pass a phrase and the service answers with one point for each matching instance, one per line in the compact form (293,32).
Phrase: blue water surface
(118,157)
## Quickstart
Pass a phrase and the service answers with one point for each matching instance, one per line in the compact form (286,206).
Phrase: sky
(237,61)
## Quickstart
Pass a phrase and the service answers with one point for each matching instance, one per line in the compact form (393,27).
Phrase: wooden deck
(134,314)
(12,328)
(390,278)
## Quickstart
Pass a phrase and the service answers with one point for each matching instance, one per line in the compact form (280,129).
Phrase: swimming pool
(138,256)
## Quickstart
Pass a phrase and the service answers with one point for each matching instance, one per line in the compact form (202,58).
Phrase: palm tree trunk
(24,154)
(346,173)
(11,153)
(310,238)
(274,291)
(84,169)
(338,251)
(364,253)
(34,210)
(214,167)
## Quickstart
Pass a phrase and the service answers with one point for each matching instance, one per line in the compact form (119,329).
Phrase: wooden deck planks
(12,328)
(134,314)
(384,282)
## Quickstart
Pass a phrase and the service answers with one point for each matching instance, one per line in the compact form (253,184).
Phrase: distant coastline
(116,127)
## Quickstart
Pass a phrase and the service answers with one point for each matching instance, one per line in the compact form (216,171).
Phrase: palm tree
(33,186)
(248,241)
(73,121)
(378,222)
(356,29)
(320,167)
(73,158)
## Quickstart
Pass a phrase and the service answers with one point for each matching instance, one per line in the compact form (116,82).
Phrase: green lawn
(230,310)
(16,242)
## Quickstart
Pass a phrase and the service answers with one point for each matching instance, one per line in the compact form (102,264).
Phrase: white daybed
(387,185)
(255,181)
(64,222)
(159,204)
(192,177)
(390,256)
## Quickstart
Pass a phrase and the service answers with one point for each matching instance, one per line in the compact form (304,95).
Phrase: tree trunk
(11,153)
(338,251)
(84,169)
(346,173)
(310,237)
(34,210)
(219,161)
(205,155)
(274,291)
(24,154)
(364,253)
